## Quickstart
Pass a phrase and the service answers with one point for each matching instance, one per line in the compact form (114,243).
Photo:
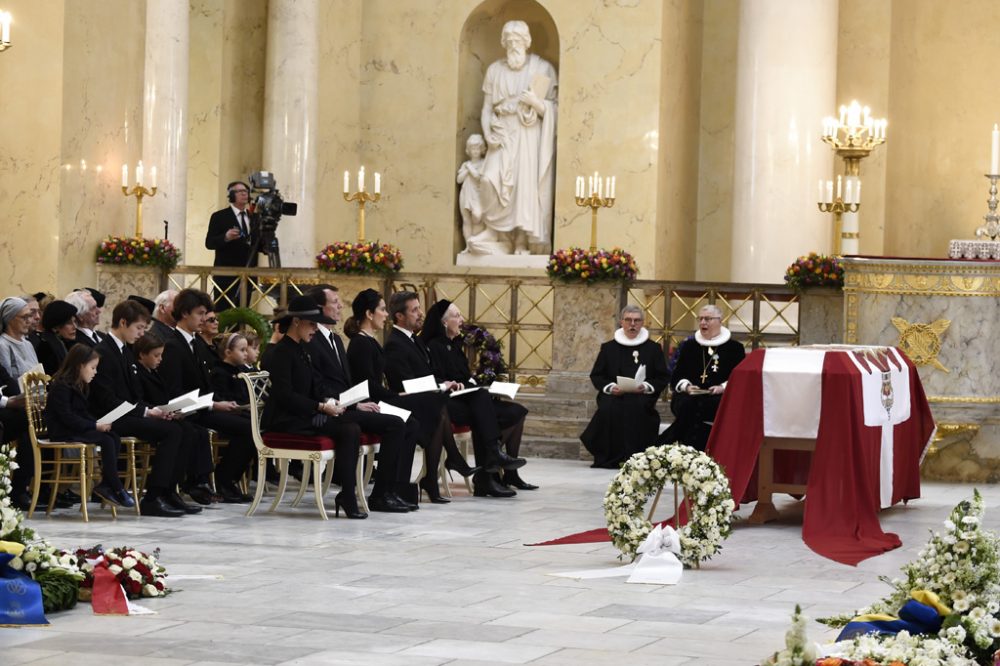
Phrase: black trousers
(111,446)
(14,426)
(241,451)
(346,436)
(398,439)
(198,446)
(691,412)
(476,410)
(167,439)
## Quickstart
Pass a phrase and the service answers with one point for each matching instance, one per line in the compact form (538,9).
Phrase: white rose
(128,562)
(135,575)
(150,591)
(115,569)
(30,567)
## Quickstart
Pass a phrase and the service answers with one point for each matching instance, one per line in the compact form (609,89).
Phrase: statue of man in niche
(519,124)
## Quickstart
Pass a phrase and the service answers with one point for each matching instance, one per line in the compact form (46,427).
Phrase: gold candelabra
(362,197)
(595,200)
(838,207)
(138,191)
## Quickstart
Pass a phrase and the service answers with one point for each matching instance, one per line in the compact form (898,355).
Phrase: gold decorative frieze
(922,342)
(964,399)
(926,277)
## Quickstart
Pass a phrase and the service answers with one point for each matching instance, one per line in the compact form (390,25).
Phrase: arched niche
(479,46)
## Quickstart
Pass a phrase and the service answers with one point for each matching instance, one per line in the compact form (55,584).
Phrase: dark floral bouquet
(139,574)
(579,265)
(490,365)
(138,252)
(368,258)
(815,270)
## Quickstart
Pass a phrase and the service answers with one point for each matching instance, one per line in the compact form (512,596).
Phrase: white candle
(5,27)
(361,179)
(138,173)
(152,177)
(590,186)
(829,191)
(848,192)
(995,150)
(819,196)
(378,182)
(600,188)
(612,195)
(124,175)
(579,187)
(838,186)
(347,182)
(843,114)
(857,194)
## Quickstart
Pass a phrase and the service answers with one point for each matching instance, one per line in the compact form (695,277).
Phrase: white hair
(78,298)
(632,308)
(164,297)
(714,309)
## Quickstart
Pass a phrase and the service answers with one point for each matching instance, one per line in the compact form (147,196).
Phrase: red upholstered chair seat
(369,440)
(460,429)
(285,440)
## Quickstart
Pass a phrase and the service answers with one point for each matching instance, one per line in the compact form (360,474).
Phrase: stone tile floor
(455,585)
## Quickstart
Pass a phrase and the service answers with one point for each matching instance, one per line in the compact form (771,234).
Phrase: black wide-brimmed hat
(304,307)
(56,314)
(144,302)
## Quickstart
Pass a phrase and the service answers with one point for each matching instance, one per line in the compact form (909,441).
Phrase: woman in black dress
(442,335)
(367,362)
(57,336)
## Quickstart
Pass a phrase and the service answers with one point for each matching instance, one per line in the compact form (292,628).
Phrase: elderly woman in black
(366,360)
(442,335)
(57,336)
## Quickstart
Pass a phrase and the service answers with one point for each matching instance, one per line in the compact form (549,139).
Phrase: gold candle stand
(594,202)
(838,208)
(138,191)
(362,198)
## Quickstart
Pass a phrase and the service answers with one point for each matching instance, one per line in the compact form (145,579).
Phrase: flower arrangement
(11,520)
(367,258)
(579,265)
(138,252)
(961,566)
(488,353)
(798,651)
(139,574)
(815,270)
(705,486)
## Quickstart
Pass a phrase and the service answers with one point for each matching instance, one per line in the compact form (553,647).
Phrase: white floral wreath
(705,486)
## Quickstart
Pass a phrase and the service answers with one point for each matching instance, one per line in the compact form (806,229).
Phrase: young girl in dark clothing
(227,386)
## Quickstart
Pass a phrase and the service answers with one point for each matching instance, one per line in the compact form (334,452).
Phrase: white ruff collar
(720,339)
(639,339)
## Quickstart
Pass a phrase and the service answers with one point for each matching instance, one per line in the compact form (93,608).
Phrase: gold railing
(518,311)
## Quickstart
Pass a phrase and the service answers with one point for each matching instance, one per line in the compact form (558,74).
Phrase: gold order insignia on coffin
(922,342)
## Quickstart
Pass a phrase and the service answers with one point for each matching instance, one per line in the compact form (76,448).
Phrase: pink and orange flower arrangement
(138,252)
(578,265)
(367,258)
(815,270)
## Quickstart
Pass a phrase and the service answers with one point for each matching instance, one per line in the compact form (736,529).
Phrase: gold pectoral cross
(704,375)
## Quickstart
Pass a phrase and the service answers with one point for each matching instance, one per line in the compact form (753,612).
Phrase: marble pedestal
(821,316)
(583,317)
(119,282)
(943,315)
(502,260)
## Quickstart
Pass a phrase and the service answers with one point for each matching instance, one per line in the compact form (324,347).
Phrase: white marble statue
(470,174)
(519,124)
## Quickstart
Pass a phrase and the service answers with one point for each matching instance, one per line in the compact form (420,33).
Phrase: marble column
(164,130)
(786,85)
(290,117)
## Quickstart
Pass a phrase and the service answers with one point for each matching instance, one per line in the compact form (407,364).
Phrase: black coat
(51,350)
(695,359)
(449,360)
(366,360)
(154,389)
(81,338)
(160,330)
(237,251)
(226,384)
(184,370)
(116,381)
(295,389)
(67,414)
(334,374)
(405,360)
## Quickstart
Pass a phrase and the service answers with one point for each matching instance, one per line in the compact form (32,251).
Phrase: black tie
(244,230)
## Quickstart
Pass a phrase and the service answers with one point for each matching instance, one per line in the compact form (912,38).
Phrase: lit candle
(124,175)
(600,188)
(347,182)
(590,186)
(361,179)
(138,173)
(829,191)
(995,151)
(843,114)
(839,179)
(612,195)
(152,177)
(378,182)
(848,192)
(5,27)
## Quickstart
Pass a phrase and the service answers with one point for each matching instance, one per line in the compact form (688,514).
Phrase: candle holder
(838,208)
(594,202)
(362,198)
(992,227)
(138,191)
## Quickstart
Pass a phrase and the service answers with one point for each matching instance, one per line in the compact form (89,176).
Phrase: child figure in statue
(469,175)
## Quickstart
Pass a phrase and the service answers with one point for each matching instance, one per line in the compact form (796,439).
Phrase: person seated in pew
(148,351)
(367,361)
(408,358)
(253,350)
(57,336)
(163,314)
(225,375)
(442,335)
(699,380)
(14,428)
(393,491)
(626,420)
(88,315)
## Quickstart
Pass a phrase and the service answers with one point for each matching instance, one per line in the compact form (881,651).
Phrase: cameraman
(232,234)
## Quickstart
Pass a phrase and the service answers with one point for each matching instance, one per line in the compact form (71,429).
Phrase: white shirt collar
(405,332)
(188,337)
(639,339)
(237,211)
(720,339)
(121,345)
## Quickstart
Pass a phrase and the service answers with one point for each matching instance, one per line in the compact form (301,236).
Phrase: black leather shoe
(231,494)
(157,506)
(22,500)
(485,485)
(387,503)
(107,494)
(349,503)
(175,500)
(513,479)
(201,494)
(70,496)
(124,499)
(61,502)
(510,463)
(406,504)
(433,492)
(409,493)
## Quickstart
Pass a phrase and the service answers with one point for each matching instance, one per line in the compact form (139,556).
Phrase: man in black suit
(117,381)
(185,368)
(407,358)
(232,234)
(88,315)
(14,426)
(163,314)
(393,491)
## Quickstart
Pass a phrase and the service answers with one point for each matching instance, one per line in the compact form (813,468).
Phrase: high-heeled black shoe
(433,492)
(386,503)
(349,503)
(460,466)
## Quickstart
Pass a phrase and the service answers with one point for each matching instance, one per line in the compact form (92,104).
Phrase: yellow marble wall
(31,76)
(941,110)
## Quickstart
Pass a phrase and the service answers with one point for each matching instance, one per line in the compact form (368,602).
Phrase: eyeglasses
(632,320)
(211,320)
(708,318)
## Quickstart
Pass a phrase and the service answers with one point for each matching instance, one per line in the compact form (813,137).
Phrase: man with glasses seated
(703,368)
(626,420)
